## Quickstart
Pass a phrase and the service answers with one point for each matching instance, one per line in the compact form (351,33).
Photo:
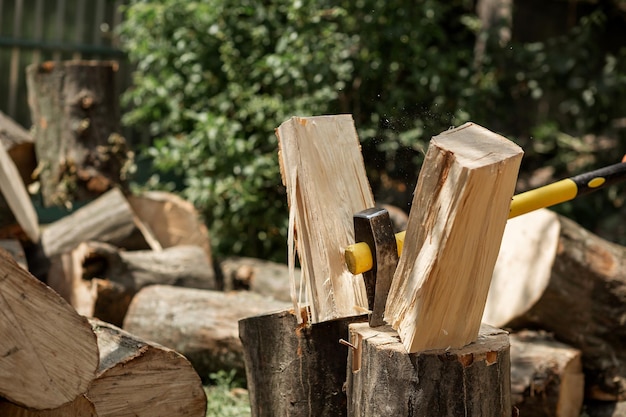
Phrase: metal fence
(33,31)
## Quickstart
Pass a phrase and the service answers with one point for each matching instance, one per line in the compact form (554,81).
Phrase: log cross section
(460,208)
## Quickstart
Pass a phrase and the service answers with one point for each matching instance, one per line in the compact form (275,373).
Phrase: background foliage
(214,79)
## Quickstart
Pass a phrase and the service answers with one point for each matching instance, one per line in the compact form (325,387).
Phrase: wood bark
(266,278)
(546,376)
(295,369)
(323,170)
(172,220)
(452,240)
(75,114)
(135,378)
(49,352)
(200,324)
(385,380)
(552,274)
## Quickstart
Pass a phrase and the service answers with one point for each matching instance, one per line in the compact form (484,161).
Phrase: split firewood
(554,275)
(135,378)
(75,113)
(323,170)
(49,352)
(270,279)
(546,376)
(99,279)
(461,205)
(200,324)
(172,220)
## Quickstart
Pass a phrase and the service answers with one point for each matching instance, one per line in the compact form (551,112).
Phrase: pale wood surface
(257,275)
(49,352)
(322,168)
(80,407)
(547,378)
(385,380)
(460,208)
(573,284)
(200,324)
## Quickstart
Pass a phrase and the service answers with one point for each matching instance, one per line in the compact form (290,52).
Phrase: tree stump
(295,369)
(75,113)
(385,380)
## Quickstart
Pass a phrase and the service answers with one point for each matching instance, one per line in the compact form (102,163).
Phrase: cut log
(546,376)
(75,113)
(99,280)
(135,378)
(267,278)
(552,274)
(295,369)
(172,220)
(461,204)
(108,219)
(322,168)
(16,196)
(49,352)
(200,324)
(385,380)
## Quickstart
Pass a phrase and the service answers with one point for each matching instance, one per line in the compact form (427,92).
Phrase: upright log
(322,168)
(460,208)
(385,380)
(48,352)
(75,115)
(553,274)
(295,369)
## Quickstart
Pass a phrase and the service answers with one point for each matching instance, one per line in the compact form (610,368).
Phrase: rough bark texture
(580,295)
(200,324)
(546,376)
(80,407)
(384,380)
(48,352)
(75,113)
(295,369)
(262,277)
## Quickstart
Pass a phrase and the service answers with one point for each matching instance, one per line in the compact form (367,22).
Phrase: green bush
(215,78)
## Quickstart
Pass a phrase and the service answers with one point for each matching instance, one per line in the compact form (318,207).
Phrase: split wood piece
(49,352)
(295,369)
(200,324)
(16,250)
(547,379)
(16,196)
(555,275)
(99,279)
(75,113)
(323,170)
(266,278)
(109,219)
(172,220)
(461,204)
(135,378)
(385,380)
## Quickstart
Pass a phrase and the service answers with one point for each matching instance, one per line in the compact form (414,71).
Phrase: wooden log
(48,352)
(75,113)
(200,324)
(322,168)
(462,201)
(295,369)
(385,380)
(135,378)
(270,279)
(16,196)
(554,275)
(546,376)
(172,220)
